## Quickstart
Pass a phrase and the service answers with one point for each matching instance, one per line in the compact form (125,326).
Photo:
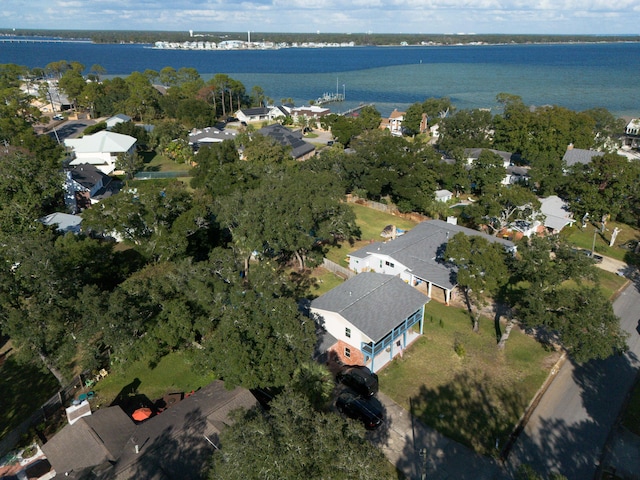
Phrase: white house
(100,149)
(443,195)
(260,114)
(370,318)
(417,257)
(209,135)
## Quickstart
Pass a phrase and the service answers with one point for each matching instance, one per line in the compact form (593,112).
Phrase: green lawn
(584,238)
(24,387)
(174,373)
(474,396)
(154,162)
(371,223)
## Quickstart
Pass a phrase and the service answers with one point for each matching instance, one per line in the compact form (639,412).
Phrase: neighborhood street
(569,428)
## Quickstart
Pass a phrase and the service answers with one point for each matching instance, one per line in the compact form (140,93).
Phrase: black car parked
(359,378)
(365,410)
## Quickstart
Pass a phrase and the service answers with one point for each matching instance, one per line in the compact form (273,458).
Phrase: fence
(387,208)
(337,269)
(46,410)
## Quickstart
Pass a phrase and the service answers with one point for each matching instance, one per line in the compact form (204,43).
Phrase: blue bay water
(575,76)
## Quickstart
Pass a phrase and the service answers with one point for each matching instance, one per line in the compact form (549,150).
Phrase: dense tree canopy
(294,441)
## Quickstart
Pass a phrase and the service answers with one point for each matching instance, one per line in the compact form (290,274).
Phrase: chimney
(570,146)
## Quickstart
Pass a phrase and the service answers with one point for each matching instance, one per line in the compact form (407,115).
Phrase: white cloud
(381,16)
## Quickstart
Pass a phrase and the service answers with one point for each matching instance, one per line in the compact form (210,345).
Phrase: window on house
(347,352)
(389,264)
(347,332)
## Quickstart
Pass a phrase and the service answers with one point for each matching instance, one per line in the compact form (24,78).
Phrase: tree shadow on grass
(24,388)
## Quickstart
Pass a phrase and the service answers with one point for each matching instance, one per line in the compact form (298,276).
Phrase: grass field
(174,373)
(371,223)
(159,163)
(459,383)
(24,387)
(591,235)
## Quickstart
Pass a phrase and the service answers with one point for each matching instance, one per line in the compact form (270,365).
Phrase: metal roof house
(418,256)
(371,317)
(100,149)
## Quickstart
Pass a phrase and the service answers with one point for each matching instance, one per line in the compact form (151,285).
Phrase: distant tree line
(149,37)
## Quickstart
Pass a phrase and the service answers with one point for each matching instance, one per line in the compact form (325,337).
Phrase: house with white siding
(417,257)
(100,149)
(370,318)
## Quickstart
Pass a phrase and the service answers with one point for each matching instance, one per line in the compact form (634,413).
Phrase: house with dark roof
(260,114)
(92,440)
(574,156)
(417,257)
(86,185)
(300,150)
(176,443)
(370,318)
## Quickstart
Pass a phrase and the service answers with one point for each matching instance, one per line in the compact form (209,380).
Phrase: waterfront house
(393,123)
(100,149)
(417,257)
(369,318)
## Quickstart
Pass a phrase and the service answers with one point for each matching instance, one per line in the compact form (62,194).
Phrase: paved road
(569,428)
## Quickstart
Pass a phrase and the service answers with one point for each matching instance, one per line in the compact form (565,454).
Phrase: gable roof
(474,153)
(90,441)
(211,135)
(288,138)
(101,142)
(118,118)
(578,155)
(556,211)
(251,112)
(88,176)
(173,444)
(421,249)
(372,302)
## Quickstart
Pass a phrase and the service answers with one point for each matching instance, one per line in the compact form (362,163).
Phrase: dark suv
(363,409)
(360,379)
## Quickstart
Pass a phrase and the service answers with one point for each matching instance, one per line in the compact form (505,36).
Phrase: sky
(594,17)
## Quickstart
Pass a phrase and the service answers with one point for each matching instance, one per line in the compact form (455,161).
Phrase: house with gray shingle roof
(209,135)
(176,443)
(574,156)
(417,257)
(370,316)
